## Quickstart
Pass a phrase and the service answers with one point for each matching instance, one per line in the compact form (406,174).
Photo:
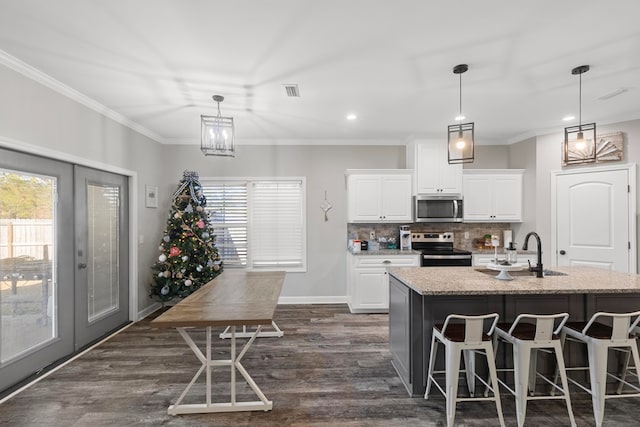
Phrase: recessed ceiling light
(568,118)
(351,117)
(460,117)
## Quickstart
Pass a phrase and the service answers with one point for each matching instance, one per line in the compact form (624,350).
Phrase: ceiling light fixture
(568,118)
(579,141)
(351,117)
(460,136)
(218,134)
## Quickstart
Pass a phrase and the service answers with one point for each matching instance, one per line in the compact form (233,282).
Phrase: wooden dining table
(232,299)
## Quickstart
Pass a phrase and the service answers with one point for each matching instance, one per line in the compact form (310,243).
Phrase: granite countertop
(473,281)
(385,252)
(500,252)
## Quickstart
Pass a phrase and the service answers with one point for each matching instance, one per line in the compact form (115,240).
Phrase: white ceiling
(158,62)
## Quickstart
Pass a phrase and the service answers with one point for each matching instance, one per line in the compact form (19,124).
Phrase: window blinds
(258,223)
(277,224)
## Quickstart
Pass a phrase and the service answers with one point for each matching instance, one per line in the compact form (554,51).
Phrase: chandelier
(217,138)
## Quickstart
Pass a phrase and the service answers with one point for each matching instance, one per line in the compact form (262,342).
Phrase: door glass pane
(103,210)
(28,306)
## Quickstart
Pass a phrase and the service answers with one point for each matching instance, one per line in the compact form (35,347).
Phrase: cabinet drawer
(367,261)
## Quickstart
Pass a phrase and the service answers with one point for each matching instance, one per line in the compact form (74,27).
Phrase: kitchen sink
(521,273)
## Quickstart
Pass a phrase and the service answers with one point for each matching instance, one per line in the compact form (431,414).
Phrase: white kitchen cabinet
(433,173)
(379,197)
(493,195)
(368,280)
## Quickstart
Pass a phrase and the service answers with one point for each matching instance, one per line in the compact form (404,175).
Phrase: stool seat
(599,338)
(596,330)
(456,332)
(526,334)
(466,337)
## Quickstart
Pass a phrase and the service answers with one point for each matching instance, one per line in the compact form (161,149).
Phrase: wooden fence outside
(26,238)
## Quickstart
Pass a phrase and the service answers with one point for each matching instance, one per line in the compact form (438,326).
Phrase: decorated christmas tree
(188,256)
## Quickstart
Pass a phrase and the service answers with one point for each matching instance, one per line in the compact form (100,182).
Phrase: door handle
(82,265)
(563,252)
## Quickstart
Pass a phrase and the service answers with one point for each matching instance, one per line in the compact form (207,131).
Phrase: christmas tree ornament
(216,267)
(178,275)
(189,208)
(166,238)
(161,274)
(162,258)
(185,258)
(167,274)
(199,269)
(161,248)
(174,251)
(188,282)
(205,235)
(164,290)
(200,224)
(199,208)
(177,215)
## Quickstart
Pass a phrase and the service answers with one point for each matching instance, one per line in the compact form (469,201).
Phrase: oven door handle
(446,256)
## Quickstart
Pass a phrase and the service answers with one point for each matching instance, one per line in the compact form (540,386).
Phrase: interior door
(36,277)
(101,254)
(593,220)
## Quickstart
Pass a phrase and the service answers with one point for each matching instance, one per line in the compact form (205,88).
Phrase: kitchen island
(420,297)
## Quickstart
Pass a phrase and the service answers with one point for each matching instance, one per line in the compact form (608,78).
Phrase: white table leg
(277,332)
(207,365)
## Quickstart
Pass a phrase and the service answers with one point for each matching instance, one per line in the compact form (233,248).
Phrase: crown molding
(44,79)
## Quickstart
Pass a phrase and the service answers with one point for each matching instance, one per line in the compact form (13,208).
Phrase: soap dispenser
(511,254)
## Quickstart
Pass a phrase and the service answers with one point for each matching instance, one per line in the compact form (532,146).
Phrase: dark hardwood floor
(331,368)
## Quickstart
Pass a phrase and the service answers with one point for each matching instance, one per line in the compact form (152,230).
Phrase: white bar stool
(615,333)
(527,338)
(468,337)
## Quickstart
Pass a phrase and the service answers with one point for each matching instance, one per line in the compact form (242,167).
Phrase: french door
(101,253)
(63,260)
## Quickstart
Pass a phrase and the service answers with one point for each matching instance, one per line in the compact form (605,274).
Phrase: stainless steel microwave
(438,208)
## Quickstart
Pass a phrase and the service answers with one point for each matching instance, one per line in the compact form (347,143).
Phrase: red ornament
(200,224)
(174,251)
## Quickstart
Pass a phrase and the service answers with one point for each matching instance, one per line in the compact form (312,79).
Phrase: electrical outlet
(372,235)
(466,234)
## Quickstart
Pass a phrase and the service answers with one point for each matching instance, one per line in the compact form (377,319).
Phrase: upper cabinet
(433,173)
(379,196)
(493,195)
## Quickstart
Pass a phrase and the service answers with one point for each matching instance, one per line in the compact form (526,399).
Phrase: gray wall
(523,156)
(548,152)
(490,157)
(36,116)
(324,168)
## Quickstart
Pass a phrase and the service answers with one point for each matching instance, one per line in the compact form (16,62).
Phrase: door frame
(37,150)
(631,170)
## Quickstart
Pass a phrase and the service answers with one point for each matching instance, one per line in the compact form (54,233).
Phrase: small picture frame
(151,196)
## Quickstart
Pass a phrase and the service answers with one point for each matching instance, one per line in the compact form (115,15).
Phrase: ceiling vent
(292,90)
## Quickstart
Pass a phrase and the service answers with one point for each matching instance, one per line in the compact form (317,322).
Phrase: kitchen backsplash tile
(475,230)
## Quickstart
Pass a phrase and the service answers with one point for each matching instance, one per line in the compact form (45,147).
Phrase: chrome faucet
(538,268)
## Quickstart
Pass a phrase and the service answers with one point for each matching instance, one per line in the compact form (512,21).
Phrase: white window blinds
(277,224)
(227,207)
(259,223)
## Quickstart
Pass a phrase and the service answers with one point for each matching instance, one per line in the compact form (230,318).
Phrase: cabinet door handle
(563,252)
(386,261)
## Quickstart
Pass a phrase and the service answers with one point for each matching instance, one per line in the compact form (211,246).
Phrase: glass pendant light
(217,133)
(579,141)
(460,136)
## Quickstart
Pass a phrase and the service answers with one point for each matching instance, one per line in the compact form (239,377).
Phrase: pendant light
(217,137)
(460,136)
(579,141)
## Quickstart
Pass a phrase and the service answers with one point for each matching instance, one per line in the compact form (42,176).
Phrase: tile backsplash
(475,230)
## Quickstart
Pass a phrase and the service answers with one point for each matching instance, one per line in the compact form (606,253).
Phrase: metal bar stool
(602,332)
(467,337)
(527,338)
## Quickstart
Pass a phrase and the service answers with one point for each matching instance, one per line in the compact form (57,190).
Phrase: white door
(593,220)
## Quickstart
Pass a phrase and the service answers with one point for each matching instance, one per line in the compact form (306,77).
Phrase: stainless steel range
(437,250)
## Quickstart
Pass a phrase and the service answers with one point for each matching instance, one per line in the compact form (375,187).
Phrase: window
(259,223)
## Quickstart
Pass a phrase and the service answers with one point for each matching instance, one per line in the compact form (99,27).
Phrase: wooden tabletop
(233,298)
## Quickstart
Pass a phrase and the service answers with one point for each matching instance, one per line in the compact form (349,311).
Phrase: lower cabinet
(368,280)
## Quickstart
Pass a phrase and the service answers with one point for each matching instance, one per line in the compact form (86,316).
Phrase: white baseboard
(313,300)
(147,311)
